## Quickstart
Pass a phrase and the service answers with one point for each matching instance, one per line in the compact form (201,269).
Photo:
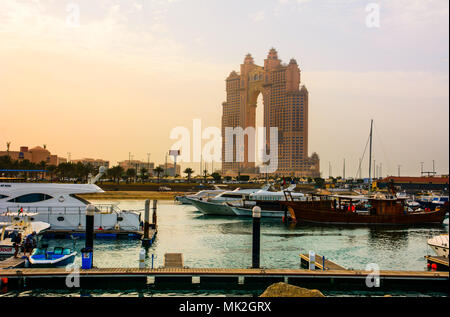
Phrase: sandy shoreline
(133,195)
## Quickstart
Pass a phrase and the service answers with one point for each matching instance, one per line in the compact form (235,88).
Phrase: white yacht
(59,205)
(218,205)
(439,244)
(267,201)
(202,195)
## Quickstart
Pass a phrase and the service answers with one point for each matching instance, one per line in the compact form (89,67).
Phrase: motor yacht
(60,206)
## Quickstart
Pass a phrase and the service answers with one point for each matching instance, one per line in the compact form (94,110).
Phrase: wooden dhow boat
(385,211)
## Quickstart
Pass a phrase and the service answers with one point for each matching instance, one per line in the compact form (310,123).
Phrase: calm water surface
(225,242)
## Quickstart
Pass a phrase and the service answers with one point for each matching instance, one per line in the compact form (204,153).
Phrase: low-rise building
(94,162)
(36,155)
(137,165)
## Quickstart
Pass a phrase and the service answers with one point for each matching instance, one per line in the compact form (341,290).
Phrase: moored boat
(386,211)
(19,222)
(61,207)
(212,208)
(58,256)
(439,244)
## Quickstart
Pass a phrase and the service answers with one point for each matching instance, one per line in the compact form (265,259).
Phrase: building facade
(137,165)
(94,162)
(285,105)
(169,169)
(36,155)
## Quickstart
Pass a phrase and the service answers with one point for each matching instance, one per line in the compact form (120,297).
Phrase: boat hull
(316,213)
(245,212)
(439,244)
(183,200)
(47,264)
(216,209)
(6,250)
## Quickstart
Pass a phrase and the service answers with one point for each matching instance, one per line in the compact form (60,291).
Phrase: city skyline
(131,71)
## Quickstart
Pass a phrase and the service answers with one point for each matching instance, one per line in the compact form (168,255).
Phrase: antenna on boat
(370,156)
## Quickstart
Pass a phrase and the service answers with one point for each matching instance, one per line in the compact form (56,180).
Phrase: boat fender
(434,266)
(4,280)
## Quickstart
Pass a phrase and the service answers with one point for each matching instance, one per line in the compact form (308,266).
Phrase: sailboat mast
(370,156)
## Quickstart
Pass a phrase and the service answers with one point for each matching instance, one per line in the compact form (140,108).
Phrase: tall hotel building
(285,107)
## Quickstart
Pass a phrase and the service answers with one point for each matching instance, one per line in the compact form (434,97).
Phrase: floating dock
(12,262)
(173,260)
(440,261)
(318,263)
(187,278)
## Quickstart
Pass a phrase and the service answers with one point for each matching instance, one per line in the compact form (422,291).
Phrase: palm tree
(131,173)
(158,170)
(205,173)
(143,173)
(189,172)
(115,173)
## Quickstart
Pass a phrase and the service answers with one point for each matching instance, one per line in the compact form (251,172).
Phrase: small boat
(22,222)
(58,256)
(439,244)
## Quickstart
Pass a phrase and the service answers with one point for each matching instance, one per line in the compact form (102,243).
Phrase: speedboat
(439,244)
(22,222)
(58,256)
(61,207)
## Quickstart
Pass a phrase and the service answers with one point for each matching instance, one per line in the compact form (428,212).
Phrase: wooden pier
(12,262)
(318,263)
(226,278)
(173,260)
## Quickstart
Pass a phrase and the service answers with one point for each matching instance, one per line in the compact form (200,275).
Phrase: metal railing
(100,208)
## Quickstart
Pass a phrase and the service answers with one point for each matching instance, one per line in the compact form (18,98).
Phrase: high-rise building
(285,105)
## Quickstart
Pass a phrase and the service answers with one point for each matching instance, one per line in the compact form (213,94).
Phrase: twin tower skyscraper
(285,105)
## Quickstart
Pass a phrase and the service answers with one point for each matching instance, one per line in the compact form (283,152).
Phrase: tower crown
(248,59)
(273,54)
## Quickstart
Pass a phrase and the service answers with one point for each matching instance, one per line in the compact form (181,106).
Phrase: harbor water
(225,242)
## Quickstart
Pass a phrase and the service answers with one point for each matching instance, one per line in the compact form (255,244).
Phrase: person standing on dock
(16,240)
(30,243)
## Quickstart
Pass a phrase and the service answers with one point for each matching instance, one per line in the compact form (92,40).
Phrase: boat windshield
(66,251)
(39,251)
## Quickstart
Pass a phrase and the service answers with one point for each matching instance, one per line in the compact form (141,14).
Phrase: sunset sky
(104,78)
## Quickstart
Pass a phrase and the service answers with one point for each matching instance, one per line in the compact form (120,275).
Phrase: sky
(102,79)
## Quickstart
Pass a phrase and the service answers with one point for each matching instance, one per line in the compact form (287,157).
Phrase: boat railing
(100,208)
